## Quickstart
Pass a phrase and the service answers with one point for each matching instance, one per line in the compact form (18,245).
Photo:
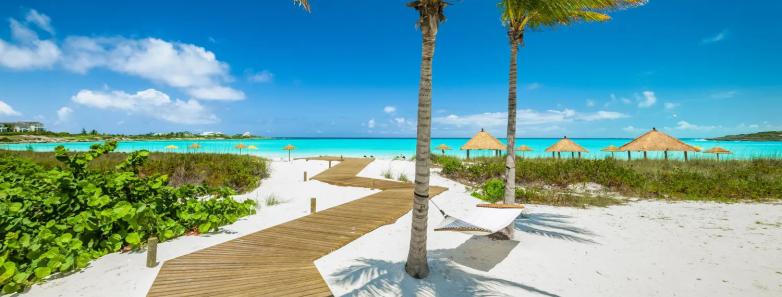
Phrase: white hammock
(480,220)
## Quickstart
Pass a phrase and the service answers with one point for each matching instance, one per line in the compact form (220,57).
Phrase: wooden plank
(278,261)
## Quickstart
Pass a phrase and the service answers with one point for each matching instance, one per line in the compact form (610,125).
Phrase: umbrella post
(628,156)
(685,156)
(559,155)
(579,155)
(645,158)
(572,155)
(665,153)
(468,154)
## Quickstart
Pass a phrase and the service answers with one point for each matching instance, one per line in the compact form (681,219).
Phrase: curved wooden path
(278,261)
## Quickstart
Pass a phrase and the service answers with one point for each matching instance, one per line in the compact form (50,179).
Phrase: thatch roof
(171,147)
(252,147)
(289,147)
(195,146)
(717,150)
(566,145)
(611,148)
(443,147)
(240,146)
(656,141)
(483,141)
(524,148)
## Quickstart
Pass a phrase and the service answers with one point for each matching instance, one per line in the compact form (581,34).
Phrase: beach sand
(646,248)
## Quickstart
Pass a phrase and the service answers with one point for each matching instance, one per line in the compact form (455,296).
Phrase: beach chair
(484,220)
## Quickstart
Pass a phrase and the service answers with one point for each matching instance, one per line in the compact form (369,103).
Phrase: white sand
(645,248)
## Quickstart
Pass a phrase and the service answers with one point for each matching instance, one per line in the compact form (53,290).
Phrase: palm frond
(303,3)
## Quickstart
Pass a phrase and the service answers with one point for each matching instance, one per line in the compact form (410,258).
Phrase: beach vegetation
(387,173)
(242,173)
(403,178)
(492,190)
(702,179)
(273,200)
(59,219)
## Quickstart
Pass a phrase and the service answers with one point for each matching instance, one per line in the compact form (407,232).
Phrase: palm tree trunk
(417,265)
(510,158)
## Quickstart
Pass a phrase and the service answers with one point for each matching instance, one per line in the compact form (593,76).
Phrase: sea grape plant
(59,220)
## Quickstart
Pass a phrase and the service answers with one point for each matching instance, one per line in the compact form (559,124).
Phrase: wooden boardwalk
(278,261)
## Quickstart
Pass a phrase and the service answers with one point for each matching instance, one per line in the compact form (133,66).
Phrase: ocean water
(393,147)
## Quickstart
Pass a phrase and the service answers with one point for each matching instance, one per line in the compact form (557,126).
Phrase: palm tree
(431,13)
(517,16)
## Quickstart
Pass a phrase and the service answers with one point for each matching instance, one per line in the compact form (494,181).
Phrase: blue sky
(695,68)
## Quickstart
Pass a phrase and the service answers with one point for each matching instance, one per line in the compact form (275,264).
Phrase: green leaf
(203,228)
(133,238)
(42,272)
(15,207)
(9,268)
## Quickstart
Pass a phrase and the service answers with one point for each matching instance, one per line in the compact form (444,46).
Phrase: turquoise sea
(392,147)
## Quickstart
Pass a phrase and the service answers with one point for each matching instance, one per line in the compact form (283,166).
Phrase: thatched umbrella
(656,141)
(523,149)
(566,145)
(443,148)
(483,141)
(252,147)
(289,148)
(240,147)
(612,149)
(171,147)
(194,146)
(717,151)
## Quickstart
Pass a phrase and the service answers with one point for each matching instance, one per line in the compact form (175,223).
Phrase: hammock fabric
(483,220)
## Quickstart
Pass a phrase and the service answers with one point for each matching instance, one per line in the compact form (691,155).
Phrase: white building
(21,127)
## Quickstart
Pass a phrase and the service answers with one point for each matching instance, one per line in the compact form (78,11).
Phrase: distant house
(207,133)
(21,127)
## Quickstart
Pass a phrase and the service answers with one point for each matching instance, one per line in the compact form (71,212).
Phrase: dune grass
(241,173)
(710,180)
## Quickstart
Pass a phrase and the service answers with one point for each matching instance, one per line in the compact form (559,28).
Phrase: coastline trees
(431,13)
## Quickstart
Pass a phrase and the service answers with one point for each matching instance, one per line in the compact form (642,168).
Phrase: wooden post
(468,154)
(685,156)
(553,156)
(305,176)
(572,155)
(628,156)
(579,155)
(329,163)
(665,153)
(645,158)
(559,155)
(312,205)
(152,252)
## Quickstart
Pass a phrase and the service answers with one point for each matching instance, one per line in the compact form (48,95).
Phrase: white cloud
(716,38)
(389,109)
(26,50)
(262,77)
(64,114)
(684,125)
(671,105)
(371,123)
(7,110)
(526,117)
(648,99)
(590,103)
(186,66)
(149,102)
(724,94)
(633,129)
(534,86)
(400,121)
(41,20)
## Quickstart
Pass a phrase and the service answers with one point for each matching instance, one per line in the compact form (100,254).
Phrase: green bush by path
(733,180)
(242,173)
(60,219)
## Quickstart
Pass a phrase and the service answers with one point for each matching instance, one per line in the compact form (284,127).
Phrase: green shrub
(386,173)
(492,191)
(403,178)
(58,220)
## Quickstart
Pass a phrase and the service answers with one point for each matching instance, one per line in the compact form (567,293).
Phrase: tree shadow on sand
(552,226)
(447,278)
